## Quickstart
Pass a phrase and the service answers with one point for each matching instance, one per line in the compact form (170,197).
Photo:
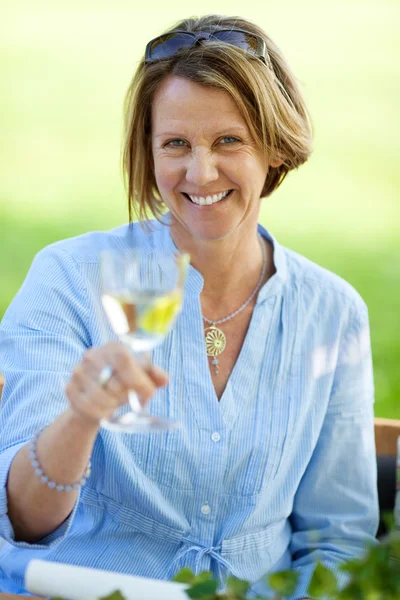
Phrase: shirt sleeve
(335,512)
(43,336)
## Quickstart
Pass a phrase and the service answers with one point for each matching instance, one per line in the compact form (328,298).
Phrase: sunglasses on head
(169,44)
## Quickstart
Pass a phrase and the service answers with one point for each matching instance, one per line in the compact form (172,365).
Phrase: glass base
(142,423)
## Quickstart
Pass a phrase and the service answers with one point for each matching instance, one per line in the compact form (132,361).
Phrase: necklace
(215,338)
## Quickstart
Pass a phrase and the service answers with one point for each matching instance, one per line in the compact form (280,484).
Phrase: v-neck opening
(242,351)
(270,284)
(201,393)
(208,410)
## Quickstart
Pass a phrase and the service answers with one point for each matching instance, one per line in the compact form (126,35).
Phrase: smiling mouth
(208,200)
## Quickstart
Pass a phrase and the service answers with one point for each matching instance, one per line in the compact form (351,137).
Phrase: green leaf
(203,576)
(185,575)
(284,582)
(372,595)
(388,518)
(351,592)
(350,566)
(393,541)
(237,587)
(203,590)
(323,582)
(113,596)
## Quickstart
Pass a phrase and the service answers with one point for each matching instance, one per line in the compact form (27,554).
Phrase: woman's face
(208,170)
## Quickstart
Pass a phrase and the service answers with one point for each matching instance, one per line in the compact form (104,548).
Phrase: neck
(231,269)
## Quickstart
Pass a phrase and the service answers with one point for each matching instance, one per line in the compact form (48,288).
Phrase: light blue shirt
(279,472)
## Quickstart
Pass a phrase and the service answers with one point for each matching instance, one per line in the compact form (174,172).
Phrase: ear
(276,163)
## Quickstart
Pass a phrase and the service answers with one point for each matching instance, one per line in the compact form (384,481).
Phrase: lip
(204,195)
(185,195)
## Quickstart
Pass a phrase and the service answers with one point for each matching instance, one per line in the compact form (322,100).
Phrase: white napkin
(80,583)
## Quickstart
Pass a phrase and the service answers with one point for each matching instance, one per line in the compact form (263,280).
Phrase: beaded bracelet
(45,479)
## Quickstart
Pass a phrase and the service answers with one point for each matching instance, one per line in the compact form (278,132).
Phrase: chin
(211,234)
(213,230)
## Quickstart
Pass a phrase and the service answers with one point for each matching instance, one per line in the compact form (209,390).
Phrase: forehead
(179,102)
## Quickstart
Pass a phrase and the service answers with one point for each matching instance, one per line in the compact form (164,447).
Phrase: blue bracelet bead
(45,479)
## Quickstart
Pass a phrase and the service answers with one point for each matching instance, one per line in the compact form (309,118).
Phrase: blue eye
(176,143)
(229,139)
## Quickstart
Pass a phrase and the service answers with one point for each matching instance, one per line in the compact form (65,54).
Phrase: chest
(234,331)
(237,446)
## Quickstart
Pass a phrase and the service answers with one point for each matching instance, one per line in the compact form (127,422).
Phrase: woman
(274,463)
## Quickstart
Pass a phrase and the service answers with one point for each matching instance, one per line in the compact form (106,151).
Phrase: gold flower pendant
(215,343)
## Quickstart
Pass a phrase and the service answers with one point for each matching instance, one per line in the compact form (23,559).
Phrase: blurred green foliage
(65,68)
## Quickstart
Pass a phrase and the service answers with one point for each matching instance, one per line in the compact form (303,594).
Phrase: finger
(130,374)
(93,361)
(114,387)
(158,376)
(88,386)
(92,364)
(80,377)
(93,406)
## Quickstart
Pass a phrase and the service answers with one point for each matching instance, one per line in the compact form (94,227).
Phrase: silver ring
(105,376)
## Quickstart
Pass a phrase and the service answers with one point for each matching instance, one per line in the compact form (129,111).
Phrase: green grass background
(65,67)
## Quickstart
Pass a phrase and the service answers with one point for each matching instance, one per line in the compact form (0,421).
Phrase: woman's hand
(93,402)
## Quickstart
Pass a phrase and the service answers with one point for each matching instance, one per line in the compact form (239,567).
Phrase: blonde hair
(267,96)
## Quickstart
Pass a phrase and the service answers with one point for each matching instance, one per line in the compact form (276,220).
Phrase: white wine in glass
(142,296)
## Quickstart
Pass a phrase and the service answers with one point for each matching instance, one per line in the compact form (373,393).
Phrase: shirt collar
(273,286)
(195,281)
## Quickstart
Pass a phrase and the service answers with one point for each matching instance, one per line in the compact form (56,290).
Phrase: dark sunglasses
(168,44)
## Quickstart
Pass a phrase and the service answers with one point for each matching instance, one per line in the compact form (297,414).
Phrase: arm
(43,335)
(42,338)
(335,512)
(64,449)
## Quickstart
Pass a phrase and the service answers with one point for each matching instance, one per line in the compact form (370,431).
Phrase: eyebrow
(234,129)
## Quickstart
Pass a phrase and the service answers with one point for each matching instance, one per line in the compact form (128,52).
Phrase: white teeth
(209,199)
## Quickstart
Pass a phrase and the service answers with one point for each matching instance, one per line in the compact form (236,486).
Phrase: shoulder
(67,265)
(329,318)
(320,289)
(325,310)
(87,247)
(63,274)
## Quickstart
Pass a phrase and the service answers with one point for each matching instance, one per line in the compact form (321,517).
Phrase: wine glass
(142,296)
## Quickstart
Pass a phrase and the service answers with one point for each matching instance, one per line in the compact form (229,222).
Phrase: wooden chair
(386,433)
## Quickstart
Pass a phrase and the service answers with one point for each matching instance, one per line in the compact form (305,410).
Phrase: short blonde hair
(268,98)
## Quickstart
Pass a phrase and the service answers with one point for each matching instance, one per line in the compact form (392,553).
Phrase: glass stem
(135,403)
(144,360)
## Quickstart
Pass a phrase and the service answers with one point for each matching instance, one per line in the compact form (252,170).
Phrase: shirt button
(205,509)
(215,436)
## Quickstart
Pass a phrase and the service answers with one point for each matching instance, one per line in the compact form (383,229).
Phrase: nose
(202,167)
